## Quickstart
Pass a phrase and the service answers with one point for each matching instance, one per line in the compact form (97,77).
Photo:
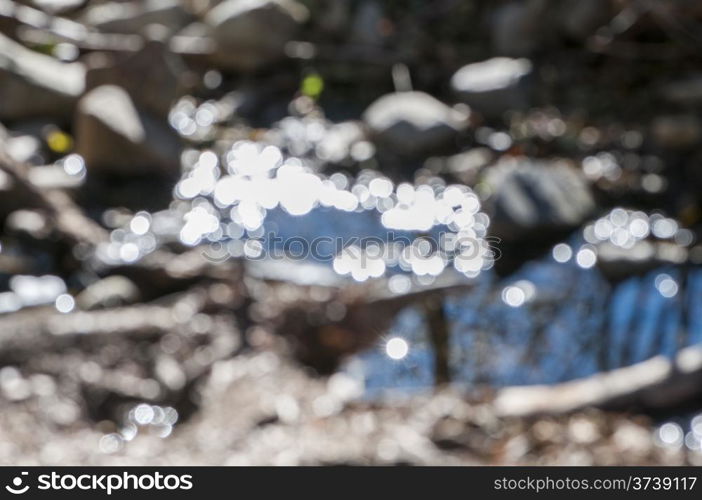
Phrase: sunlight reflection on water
(548,323)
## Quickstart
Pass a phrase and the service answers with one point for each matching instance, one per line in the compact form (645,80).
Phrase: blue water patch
(576,324)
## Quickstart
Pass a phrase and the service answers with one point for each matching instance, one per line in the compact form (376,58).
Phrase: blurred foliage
(312,85)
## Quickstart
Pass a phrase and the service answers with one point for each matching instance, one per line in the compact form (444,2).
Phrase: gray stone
(366,24)
(580,19)
(467,166)
(687,91)
(23,148)
(58,6)
(518,28)
(33,84)
(531,197)
(494,86)
(334,15)
(339,140)
(193,39)
(677,131)
(154,77)
(30,223)
(413,122)
(113,136)
(253,33)
(133,17)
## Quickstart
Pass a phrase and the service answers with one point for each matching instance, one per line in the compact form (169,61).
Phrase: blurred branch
(440,338)
(686,41)
(68,219)
(113,42)
(33,331)
(29,17)
(658,384)
(640,51)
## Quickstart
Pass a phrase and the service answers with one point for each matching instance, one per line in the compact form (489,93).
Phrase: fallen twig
(655,385)
(67,218)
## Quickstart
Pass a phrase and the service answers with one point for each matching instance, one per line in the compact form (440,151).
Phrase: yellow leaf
(59,142)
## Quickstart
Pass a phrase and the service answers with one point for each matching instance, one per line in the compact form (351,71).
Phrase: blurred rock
(31,223)
(132,17)
(59,6)
(334,15)
(32,84)
(413,122)
(113,291)
(518,27)
(339,141)
(532,197)
(494,86)
(154,77)
(467,166)
(253,33)
(113,136)
(687,8)
(580,19)
(13,265)
(677,131)
(687,91)
(193,39)
(7,195)
(366,24)
(23,148)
